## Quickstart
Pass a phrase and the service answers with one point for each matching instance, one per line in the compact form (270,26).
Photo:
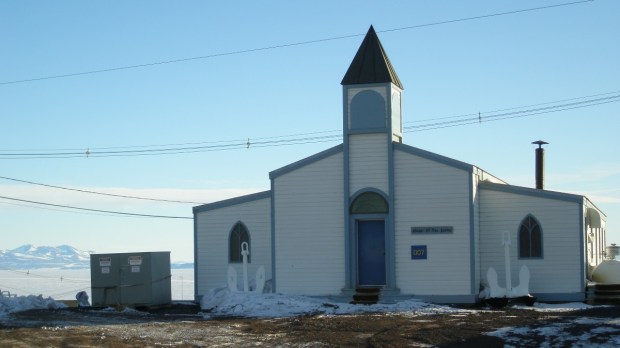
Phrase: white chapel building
(374,212)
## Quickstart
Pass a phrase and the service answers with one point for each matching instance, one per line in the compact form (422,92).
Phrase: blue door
(371,252)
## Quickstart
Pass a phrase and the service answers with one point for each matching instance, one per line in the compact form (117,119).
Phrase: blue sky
(452,69)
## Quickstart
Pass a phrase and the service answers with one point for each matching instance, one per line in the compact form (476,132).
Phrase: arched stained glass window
(238,234)
(369,203)
(530,238)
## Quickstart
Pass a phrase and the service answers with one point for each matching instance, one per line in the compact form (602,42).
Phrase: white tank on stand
(606,278)
(612,251)
(608,272)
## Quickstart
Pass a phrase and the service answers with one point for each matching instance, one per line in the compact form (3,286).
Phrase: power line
(250,50)
(514,108)
(486,16)
(428,126)
(97,210)
(509,115)
(215,142)
(474,121)
(246,144)
(312,137)
(64,211)
(40,276)
(97,193)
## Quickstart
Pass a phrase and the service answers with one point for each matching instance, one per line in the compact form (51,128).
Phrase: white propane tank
(608,272)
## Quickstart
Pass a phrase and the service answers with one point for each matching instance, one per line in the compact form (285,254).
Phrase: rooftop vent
(540,164)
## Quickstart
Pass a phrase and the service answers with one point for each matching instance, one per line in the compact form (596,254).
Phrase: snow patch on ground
(223,302)
(556,307)
(24,303)
(577,332)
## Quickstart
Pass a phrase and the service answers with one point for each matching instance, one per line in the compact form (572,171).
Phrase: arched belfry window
(530,238)
(369,203)
(367,111)
(238,234)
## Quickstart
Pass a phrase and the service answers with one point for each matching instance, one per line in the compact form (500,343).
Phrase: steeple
(371,64)
(372,92)
(371,124)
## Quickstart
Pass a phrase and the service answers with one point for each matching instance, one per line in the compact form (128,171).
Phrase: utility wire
(320,136)
(474,121)
(97,210)
(479,118)
(485,16)
(215,55)
(513,108)
(215,142)
(417,128)
(40,276)
(427,126)
(246,144)
(65,211)
(97,193)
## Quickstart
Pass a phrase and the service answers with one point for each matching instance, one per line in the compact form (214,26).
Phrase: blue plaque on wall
(418,252)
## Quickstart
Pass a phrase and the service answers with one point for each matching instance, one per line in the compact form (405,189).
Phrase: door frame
(365,218)
(352,266)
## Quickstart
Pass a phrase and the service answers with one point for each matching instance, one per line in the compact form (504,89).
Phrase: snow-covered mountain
(29,256)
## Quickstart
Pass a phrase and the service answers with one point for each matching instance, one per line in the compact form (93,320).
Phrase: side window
(238,234)
(530,238)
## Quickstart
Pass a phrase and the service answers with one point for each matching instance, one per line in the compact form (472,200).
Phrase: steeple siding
(371,64)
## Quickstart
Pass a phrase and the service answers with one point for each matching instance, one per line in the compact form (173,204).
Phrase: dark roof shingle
(371,64)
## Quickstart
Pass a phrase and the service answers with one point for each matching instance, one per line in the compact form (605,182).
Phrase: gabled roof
(232,201)
(527,191)
(434,157)
(306,161)
(371,64)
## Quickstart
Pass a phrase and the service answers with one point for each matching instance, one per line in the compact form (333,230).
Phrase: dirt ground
(185,326)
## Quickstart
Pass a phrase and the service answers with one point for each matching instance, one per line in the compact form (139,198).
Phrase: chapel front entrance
(371,252)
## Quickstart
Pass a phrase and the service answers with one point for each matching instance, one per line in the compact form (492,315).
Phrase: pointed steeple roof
(371,64)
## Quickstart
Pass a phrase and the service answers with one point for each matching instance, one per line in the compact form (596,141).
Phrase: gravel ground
(185,326)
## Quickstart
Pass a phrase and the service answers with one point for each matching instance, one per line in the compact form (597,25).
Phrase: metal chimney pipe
(540,164)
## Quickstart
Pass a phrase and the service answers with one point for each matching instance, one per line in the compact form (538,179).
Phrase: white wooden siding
(560,269)
(476,202)
(309,225)
(429,193)
(368,162)
(212,242)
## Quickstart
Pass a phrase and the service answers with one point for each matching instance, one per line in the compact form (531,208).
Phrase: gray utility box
(130,279)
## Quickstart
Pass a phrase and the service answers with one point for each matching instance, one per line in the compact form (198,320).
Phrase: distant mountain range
(29,256)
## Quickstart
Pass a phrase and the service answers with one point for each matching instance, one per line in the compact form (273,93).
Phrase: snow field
(64,284)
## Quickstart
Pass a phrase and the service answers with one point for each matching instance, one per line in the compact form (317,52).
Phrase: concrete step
(366,296)
(603,293)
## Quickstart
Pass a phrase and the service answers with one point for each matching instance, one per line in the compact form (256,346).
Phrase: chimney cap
(540,143)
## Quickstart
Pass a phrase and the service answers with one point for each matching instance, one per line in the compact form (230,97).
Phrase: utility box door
(135,277)
(104,279)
